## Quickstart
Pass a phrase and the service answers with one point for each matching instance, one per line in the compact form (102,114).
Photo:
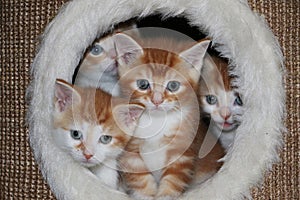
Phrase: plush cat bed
(236,31)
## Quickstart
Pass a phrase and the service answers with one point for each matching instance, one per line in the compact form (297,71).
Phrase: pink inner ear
(135,112)
(131,116)
(127,48)
(127,57)
(64,95)
(128,115)
(62,104)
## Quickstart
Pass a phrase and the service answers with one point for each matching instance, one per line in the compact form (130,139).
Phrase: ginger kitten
(159,162)
(219,102)
(91,129)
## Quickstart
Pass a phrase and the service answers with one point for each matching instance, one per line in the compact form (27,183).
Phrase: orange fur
(222,67)
(93,107)
(182,140)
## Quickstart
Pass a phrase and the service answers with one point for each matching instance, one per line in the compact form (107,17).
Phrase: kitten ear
(127,116)
(65,95)
(195,54)
(127,49)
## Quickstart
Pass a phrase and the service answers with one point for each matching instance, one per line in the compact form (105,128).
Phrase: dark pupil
(173,86)
(96,49)
(105,139)
(143,84)
(75,134)
(238,101)
(211,99)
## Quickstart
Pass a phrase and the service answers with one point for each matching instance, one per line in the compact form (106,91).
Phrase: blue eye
(211,99)
(173,86)
(76,135)
(96,49)
(238,101)
(105,139)
(143,84)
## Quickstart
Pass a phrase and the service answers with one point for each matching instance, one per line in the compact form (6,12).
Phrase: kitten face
(99,67)
(100,58)
(89,127)
(158,87)
(223,107)
(159,79)
(90,144)
(218,100)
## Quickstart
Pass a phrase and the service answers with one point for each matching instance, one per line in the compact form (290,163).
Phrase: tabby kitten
(219,102)
(91,129)
(160,160)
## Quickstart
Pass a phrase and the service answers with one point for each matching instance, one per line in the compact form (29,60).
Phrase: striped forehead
(158,56)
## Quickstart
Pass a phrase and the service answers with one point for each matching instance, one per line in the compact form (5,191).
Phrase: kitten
(219,102)
(160,159)
(92,129)
(98,67)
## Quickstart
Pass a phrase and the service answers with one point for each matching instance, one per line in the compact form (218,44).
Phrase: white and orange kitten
(98,67)
(159,162)
(219,103)
(91,129)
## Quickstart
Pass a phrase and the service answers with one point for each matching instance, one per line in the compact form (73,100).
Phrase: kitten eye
(105,139)
(143,84)
(76,135)
(96,50)
(238,101)
(211,99)
(173,86)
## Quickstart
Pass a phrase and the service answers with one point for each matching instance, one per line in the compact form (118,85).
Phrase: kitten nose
(88,156)
(157,98)
(225,113)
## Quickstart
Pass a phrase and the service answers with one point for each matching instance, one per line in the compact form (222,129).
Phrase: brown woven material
(21,24)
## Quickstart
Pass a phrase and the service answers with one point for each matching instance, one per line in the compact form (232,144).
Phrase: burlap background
(22,21)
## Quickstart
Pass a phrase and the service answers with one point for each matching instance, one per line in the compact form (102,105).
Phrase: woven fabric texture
(22,22)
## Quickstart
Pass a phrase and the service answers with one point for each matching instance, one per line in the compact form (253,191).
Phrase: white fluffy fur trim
(245,40)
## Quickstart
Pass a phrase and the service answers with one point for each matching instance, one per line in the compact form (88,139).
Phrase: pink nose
(87,156)
(157,98)
(225,113)
(226,117)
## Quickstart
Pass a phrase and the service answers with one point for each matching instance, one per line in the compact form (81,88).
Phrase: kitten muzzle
(157,98)
(87,156)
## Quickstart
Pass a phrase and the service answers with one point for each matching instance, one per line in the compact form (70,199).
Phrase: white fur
(103,162)
(153,126)
(226,100)
(107,174)
(244,38)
